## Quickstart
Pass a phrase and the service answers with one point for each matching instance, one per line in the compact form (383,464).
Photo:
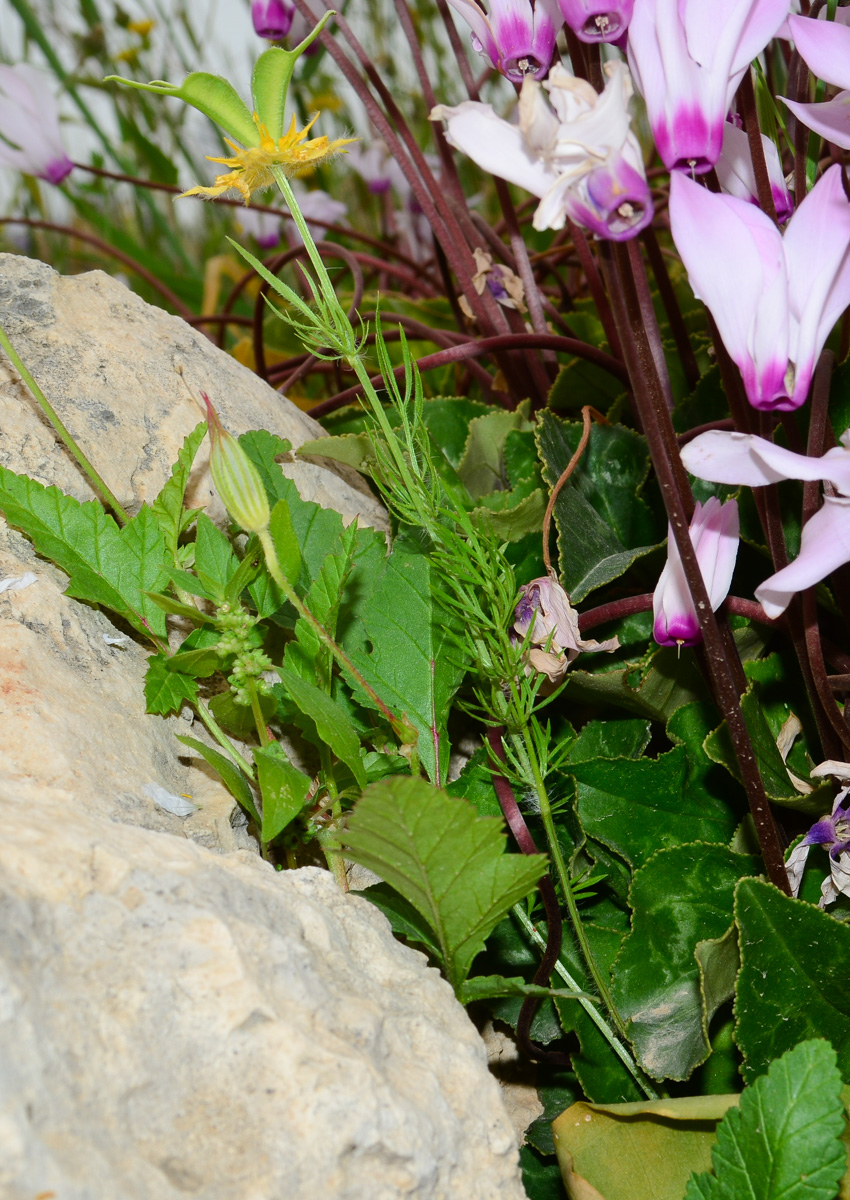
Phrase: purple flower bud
(272,18)
(714,534)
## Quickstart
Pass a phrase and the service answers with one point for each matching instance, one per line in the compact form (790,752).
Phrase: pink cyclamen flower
(577,153)
(824,47)
(825,543)
(775,297)
(272,18)
(518,36)
(737,177)
(598,20)
(263,227)
(29,123)
(546,618)
(687,58)
(833,833)
(714,533)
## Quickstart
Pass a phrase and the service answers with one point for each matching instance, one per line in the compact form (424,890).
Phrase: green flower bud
(236,478)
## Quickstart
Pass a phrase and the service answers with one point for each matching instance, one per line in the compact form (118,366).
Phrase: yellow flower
(142,28)
(252,165)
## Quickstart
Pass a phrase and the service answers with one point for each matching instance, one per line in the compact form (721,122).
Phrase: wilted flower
(252,165)
(579,155)
(29,124)
(236,479)
(825,542)
(598,20)
(518,36)
(272,18)
(824,47)
(833,833)
(775,297)
(714,533)
(687,58)
(737,177)
(544,615)
(504,286)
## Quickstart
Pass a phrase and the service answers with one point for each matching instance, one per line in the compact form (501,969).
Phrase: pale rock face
(174,1022)
(108,363)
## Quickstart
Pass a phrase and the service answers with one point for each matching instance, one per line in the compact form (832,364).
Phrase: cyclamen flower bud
(236,479)
(714,534)
(272,18)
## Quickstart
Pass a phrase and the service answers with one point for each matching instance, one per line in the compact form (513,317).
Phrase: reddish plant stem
(749,115)
(724,667)
(554,926)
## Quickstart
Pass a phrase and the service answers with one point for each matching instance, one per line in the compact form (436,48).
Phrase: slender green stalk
(597,976)
(222,739)
(590,1008)
(47,408)
(259,719)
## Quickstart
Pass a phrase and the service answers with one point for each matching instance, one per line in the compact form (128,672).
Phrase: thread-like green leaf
(783,1141)
(113,567)
(445,860)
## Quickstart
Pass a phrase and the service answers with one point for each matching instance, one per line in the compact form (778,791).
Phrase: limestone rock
(108,363)
(177,1023)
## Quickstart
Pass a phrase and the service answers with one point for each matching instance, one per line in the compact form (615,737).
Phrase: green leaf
(332,723)
(165,691)
(680,898)
(215,561)
(446,861)
(637,1151)
(238,719)
(482,469)
(718,746)
(485,987)
(113,567)
(403,917)
(306,655)
(283,788)
(783,1142)
(231,776)
(638,806)
(354,449)
(168,506)
(285,540)
(402,646)
(603,523)
(795,963)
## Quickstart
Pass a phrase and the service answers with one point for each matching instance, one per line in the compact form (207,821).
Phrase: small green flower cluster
(243,640)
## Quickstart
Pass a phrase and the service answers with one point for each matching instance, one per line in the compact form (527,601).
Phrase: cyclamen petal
(824,546)
(774,299)
(714,533)
(721,457)
(598,20)
(518,36)
(688,57)
(29,120)
(737,176)
(824,47)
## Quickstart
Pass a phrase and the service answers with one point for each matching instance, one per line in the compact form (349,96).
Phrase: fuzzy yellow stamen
(252,165)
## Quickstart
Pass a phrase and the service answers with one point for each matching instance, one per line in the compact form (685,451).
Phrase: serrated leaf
(603,523)
(444,859)
(306,655)
(783,1141)
(106,565)
(331,721)
(231,776)
(168,506)
(679,898)
(285,541)
(795,963)
(513,521)
(482,469)
(403,648)
(637,1151)
(283,789)
(165,691)
(638,806)
(215,561)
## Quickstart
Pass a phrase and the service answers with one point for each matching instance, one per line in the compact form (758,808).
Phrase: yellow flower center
(251,166)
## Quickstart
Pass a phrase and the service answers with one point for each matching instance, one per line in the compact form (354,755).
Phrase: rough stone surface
(174,1022)
(108,363)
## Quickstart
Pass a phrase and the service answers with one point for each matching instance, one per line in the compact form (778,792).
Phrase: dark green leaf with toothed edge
(783,1141)
(283,788)
(446,861)
(795,963)
(113,567)
(330,720)
(215,562)
(165,690)
(680,899)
